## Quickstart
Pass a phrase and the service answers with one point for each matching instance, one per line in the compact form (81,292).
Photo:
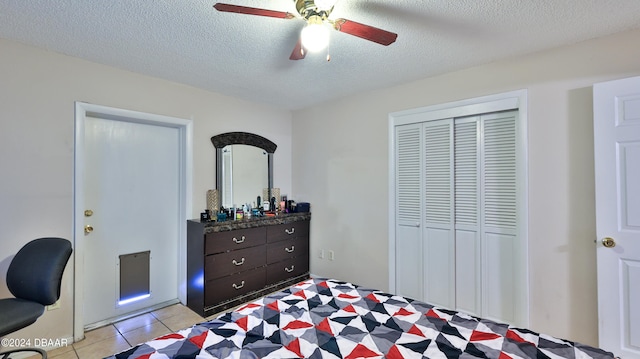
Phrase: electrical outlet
(332,255)
(321,254)
(53,306)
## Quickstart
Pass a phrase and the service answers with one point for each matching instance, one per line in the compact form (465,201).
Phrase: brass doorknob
(608,242)
(88,229)
(88,213)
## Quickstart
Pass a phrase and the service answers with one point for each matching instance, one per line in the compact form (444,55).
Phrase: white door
(617,172)
(132,186)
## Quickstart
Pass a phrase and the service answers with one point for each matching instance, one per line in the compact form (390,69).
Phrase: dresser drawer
(288,248)
(231,240)
(222,264)
(287,269)
(225,288)
(283,231)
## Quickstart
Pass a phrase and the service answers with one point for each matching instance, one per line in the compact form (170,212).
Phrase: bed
(325,318)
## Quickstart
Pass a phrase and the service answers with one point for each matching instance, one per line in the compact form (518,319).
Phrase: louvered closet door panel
(499,156)
(467,180)
(438,172)
(408,158)
(499,215)
(438,217)
(408,175)
(467,213)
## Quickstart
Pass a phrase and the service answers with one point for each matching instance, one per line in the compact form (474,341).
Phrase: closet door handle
(238,263)
(290,231)
(238,286)
(238,241)
(290,250)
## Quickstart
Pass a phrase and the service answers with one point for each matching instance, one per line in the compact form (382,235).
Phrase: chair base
(5,355)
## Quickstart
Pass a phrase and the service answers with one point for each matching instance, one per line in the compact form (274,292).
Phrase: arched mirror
(244,167)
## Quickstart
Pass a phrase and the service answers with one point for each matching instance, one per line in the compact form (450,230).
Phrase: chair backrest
(35,273)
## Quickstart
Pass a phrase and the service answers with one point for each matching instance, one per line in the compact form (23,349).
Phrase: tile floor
(114,338)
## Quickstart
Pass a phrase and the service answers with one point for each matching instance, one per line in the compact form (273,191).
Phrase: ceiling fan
(315,35)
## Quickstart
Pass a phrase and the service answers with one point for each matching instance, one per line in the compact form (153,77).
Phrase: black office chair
(34,277)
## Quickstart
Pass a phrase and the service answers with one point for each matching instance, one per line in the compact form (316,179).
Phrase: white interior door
(132,186)
(617,171)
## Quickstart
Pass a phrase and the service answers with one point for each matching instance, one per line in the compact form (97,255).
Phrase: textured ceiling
(248,56)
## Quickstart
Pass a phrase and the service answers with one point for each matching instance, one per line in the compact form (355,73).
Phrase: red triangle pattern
(298,324)
(403,312)
(170,336)
(243,323)
(294,347)
(415,330)
(477,336)
(372,298)
(248,306)
(361,351)
(514,336)
(431,313)
(300,294)
(325,326)
(349,308)
(199,340)
(394,353)
(273,306)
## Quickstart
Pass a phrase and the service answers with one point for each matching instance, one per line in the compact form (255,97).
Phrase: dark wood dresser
(232,262)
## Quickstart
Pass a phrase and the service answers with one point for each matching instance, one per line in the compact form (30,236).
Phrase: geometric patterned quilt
(324,318)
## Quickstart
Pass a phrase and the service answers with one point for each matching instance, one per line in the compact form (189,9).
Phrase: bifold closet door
(485,215)
(408,158)
(456,213)
(438,234)
(500,246)
(467,183)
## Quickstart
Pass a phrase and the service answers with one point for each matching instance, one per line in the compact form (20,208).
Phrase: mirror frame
(242,138)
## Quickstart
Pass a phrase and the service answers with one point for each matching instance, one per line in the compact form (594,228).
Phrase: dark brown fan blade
(252,11)
(366,32)
(298,52)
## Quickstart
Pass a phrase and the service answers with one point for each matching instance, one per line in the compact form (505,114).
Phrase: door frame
(513,100)
(185,128)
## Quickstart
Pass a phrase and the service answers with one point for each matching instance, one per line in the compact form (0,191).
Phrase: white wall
(340,162)
(37,93)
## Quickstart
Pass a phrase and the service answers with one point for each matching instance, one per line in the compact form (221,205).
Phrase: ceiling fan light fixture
(325,5)
(315,36)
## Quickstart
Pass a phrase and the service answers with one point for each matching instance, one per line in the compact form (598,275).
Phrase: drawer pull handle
(239,240)
(238,286)
(290,231)
(289,270)
(238,263)
(290,250)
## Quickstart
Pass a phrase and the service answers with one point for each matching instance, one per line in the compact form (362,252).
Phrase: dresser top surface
(252,222)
